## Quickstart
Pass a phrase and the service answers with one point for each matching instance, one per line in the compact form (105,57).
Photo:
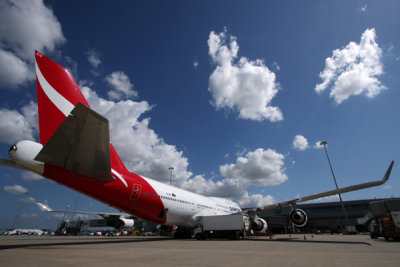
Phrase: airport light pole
(324,143)
(66,209)
(22,200)
(170,177)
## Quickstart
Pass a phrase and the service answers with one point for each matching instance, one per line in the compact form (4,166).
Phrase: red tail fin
(57,94)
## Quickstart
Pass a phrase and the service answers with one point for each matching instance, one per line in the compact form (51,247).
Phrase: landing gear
(183,233)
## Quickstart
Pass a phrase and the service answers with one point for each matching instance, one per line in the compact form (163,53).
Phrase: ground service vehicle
(386,220)
(390,225)
(231,226)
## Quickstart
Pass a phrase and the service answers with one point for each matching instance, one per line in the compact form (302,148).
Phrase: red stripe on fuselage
(115,193)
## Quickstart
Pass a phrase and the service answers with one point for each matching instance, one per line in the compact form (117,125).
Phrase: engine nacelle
(298,217)
(125,223)
(260,225)
(23,154)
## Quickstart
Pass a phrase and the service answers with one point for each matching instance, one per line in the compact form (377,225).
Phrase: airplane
(120,221)
(24,232)
(75,151)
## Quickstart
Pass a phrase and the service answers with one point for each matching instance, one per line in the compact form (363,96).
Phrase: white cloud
(354,70)
(31,176)
(71,65)
(276,66)
(243,85)
(141,149)
(14,127)
(122,86)
(255,200)
(208,187)
(144,152)
(30,112)
(195,64)
(363,8)
(27,200)
(235,189)
(26,26)
(300,143)
(93,58)
(324,199)
(15,189)
(13,70)
(387,187)
(242,150)
(260,167)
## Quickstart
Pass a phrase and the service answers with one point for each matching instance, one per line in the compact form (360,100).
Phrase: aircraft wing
(105,215)
(328,193)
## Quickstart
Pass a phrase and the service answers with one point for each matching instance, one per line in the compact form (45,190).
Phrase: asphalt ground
(278,250)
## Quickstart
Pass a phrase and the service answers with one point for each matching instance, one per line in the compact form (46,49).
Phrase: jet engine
(259,224)
(124,223)
(298,217)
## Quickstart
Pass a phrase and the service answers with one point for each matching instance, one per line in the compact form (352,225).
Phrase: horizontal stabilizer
(9,163)
(44,207)
(81,144)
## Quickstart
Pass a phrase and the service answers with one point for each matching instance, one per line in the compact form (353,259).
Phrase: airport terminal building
(329,217)
(326,217)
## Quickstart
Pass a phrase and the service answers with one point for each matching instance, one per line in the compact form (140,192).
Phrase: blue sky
(217,89)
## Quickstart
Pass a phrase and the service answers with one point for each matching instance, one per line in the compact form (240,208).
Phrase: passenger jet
(75,151)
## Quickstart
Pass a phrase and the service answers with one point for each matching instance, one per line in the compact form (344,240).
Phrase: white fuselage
(184,206)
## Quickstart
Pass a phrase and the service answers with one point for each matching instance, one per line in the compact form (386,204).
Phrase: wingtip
(389,170)
(43,207)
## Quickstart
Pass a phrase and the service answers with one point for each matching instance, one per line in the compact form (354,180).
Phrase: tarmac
(278,250)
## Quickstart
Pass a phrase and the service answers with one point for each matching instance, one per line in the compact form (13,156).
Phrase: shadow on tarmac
(298,240)
(92,241)
(81,242)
